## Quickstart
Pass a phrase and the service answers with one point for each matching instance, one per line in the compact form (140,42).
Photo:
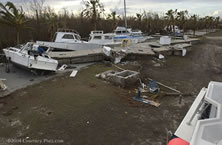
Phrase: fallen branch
(177,94)
(118,67)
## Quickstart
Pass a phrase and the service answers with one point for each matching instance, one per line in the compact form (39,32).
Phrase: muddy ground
(87,111)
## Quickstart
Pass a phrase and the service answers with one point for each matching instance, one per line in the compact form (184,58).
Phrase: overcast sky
(200,7)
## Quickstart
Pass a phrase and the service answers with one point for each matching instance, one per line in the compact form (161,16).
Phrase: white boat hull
(132,39)
(30,62)
(69,46)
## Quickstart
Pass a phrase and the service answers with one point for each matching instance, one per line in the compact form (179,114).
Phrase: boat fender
(178,141)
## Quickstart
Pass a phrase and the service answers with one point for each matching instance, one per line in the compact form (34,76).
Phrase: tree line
(41,21)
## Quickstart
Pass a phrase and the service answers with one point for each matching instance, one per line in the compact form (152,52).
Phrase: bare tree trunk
(95,26)
(174,28)
(94,16)
(183,30)
(17,36)
(194,32)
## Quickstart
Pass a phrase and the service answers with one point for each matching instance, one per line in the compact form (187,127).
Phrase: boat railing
(67,30)
(209,130)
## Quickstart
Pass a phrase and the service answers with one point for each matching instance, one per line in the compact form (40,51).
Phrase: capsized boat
(202,124)
(31,56)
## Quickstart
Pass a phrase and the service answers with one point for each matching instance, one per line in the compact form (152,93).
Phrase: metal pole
(125,13)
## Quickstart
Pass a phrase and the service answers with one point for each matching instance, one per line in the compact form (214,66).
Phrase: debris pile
(125,78)
(145,99)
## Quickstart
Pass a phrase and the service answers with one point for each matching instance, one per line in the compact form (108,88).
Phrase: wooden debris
(176,94)
(74,72)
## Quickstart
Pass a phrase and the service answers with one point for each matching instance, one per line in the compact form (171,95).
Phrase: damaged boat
(135,36)
(202,124)
(68,40)
(31,56)
(101,38)
(117,37)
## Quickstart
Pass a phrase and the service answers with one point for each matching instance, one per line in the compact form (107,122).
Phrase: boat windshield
(77,37)
(28,46)
(108,37)
(67,36)
(136,34)
(98,37)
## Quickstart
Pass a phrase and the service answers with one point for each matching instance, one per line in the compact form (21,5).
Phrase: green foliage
(93,10)
(13,17)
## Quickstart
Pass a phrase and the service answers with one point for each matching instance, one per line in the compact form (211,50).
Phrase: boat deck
(79,56)
(204,131)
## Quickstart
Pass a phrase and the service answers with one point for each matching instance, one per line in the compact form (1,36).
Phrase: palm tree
(182,17)
(194,21)
(209,20)
(93,9)
(139,17)
(217,22)
(113,16)
(52,21)
(170,17)
(13,17)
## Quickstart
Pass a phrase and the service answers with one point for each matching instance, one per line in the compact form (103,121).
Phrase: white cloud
(217,13)
(200,7)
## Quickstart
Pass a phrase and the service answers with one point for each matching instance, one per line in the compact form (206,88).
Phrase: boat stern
(42,63)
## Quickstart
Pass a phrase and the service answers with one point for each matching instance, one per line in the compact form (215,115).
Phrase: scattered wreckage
(123,78)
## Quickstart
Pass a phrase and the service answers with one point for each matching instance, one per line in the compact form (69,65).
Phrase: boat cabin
(98,37)
(67,36)
(121,31)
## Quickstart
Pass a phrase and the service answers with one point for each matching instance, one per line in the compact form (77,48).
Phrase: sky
(200,7)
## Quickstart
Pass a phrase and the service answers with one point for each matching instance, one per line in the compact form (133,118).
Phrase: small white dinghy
(29,56)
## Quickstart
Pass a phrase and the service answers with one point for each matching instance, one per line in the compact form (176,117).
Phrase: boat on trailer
(31,56)
(202,124)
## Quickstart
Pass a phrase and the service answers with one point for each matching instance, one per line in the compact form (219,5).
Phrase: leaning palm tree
(93,9)
(13,17)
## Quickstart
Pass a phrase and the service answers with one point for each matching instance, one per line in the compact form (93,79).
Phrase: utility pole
(125,13)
